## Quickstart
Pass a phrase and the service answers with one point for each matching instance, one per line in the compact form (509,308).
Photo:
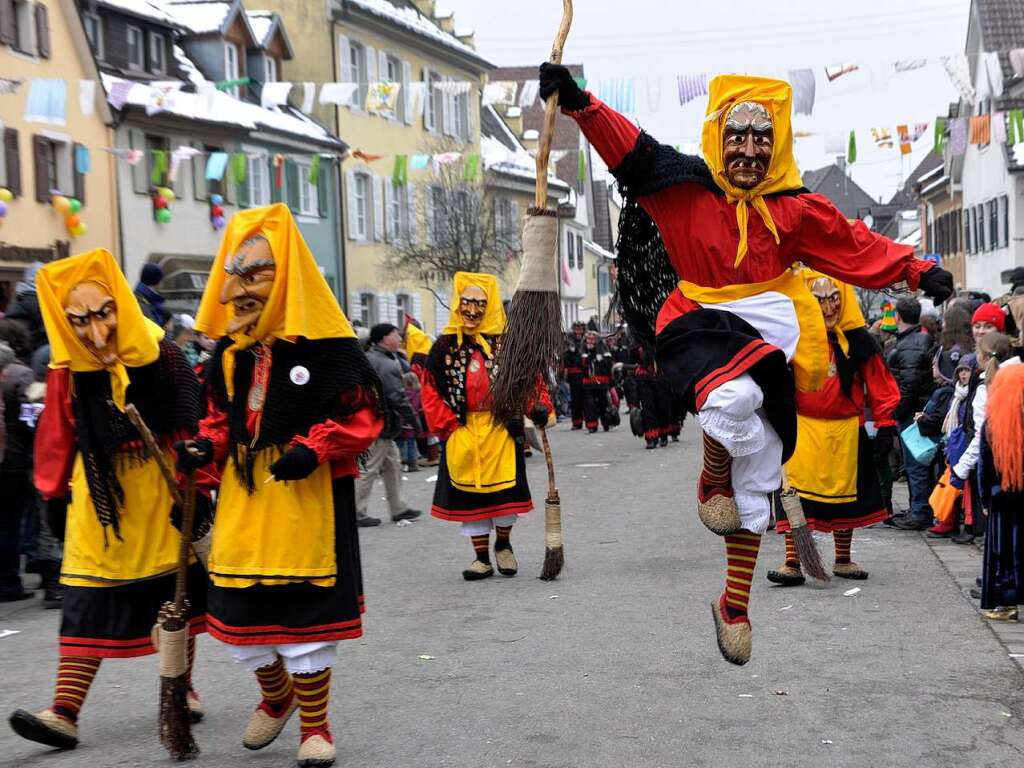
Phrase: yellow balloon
(61,203)
(5,195)
(167,193)
(80,230)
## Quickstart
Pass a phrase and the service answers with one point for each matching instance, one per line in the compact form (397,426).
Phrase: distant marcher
(25,307)
(150,300)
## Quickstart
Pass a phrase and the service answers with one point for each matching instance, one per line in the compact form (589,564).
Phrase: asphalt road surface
(614,664)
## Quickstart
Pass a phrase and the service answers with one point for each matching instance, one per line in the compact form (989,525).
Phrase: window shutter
(376,213)
(446,112)
(43,31)
(12,159)
(242,190)
(390,225)
(40,153)
(323,186)
(515,225)
(350,198)
(291,184)
(79,178)
(137,140)
(428,99)
(406,104)
(428,207)
(410,222)
(199,187)
(371,74)
(355,304)
(417,307)
(8,32)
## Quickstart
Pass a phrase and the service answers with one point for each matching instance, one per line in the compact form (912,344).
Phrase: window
(136,51)
(979,225)
(1004,221)
(393,74)
(579,251)
(11,161)
(231,68)
(53,166)
(269,69)
(361,194)
(357,71)
(505,220)
(367,308)
(569,250)
(434,109)
(397,213)
(462,115)
(309,198)
(403,307)
(258,178)
(94,31)
(993,224)
(438,221)
(157,53)
(967,232)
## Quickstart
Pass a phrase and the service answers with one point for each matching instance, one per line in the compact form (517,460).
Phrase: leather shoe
(367,522)
(409,514)
(912,525)
(964,537)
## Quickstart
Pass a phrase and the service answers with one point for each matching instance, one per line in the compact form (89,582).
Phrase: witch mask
(472,306)
(250,277)
(747,144)
(92,312)
(830,299)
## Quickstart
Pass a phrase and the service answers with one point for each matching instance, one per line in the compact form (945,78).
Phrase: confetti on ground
(746,695)
(425,657)
(826,741)
(432,479)
(782,693)
(552,597)
(8,632)
(404,522)
(851,592)
(785,607)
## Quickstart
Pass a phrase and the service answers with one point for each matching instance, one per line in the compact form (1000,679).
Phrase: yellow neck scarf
(493,321)
(137,338)
(724,92)
(300,303)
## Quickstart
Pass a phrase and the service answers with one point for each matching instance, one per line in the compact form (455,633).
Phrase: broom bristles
(175,720)
(808,553)
(554,560)
(529,346)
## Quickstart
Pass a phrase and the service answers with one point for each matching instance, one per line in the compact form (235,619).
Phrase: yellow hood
(416,341)
(138,338)
(493,321)
(850,316)
(776,96)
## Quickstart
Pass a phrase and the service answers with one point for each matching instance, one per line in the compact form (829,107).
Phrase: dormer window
(94,31)
(231,65)
(157,53)
(136,49)
(269,69)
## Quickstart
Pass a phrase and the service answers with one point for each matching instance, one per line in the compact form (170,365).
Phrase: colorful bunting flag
(400,174)
(940,135)
(904,135)
(239,168)
(313,177)
(159,166)
(851,149)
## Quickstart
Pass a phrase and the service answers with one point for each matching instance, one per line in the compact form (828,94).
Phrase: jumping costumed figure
(105,495)
(596,363)
(842,493)
(704,258)
(292,403)
(482,478)
(573,371)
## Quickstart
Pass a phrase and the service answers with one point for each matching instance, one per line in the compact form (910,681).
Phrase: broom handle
(150,442)
(188,511)
(552,489)
(548,132)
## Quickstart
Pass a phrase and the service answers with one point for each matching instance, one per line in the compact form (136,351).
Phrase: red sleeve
(333,440)
(883,393)
(55,437)
(852,252)
(214,427)
(440,418)
(610,133)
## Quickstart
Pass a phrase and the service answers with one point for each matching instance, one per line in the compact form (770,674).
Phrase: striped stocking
(314,692)
(276,687)
(843,540)
(74,676)
(741,558)
(502,534)
(482,547)
(717,472)
(792,558)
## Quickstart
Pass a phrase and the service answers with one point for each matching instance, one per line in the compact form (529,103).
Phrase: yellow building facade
(44,129)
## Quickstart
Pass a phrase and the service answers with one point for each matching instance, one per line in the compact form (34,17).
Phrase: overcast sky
(655,40)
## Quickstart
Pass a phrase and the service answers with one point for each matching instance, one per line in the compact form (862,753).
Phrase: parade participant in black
(573,371)
(648,393)
(596,363)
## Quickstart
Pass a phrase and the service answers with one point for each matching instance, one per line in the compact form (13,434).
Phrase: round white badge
(299,375)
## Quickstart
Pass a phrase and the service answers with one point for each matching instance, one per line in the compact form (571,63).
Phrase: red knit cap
(990,313)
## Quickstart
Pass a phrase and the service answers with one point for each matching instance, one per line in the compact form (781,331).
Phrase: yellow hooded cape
(776,96)
(300,301)
(493,321)
(137,337)
(416,341)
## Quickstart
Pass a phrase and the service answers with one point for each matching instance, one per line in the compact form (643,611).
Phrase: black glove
(193,454)
(555,77)
(539,416)
(956,481)
(937,284)
(884,443)
(515,429)
(57,516)
(202,519)
(297,463)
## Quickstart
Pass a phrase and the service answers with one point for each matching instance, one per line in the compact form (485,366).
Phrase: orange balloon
(73,221)
(61,203)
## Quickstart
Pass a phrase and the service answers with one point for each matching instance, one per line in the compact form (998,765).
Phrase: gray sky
(655,40)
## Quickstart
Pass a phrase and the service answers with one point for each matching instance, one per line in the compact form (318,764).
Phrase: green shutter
(291,184)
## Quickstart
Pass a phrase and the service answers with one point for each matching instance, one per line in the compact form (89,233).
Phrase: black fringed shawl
(861,347)
(335,367)
(167,396)
(447,365)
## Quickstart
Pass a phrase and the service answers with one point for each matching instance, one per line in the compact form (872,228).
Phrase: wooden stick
(550,108)
(552,488)
(150,442)
(188,512)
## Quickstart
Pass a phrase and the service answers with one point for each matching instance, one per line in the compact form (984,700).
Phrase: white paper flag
(87,97)
(528,94)
(274,94)
(417,98)
(308,93)
(337,93)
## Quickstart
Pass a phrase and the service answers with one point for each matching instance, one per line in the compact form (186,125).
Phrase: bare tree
(457,230)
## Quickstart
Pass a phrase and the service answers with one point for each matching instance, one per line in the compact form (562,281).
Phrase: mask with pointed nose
(92,312)
(249,278)
(829,299)
(472,306)
(747,144)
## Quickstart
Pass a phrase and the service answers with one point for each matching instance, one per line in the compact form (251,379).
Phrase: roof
(493,126)
(266,24)
(843,191)
(906,196)
(502,153)
(152,10)
(1001,23)
(596,248)
(410,18)
(205,17)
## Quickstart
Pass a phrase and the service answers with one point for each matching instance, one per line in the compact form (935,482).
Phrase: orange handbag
(944,498)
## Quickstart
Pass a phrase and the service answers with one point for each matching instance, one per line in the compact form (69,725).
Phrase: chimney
(530,139)
(445,21)
(466,37)
(426,7)
(513,117)
(841,163)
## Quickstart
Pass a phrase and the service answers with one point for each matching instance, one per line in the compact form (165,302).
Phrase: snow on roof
(224,108)
(598,250)
(412,19)
(143,9)
(500,159)
(261,22)
(200,16)
(914,239)
(1018,154)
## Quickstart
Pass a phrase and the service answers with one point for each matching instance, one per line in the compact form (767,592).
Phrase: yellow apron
(810,361)
(481,456)
(283,532)
(824,464)
(149,543)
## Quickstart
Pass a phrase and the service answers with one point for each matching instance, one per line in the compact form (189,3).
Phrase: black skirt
(115,622)
(868,509)
(266,614)
(451,503)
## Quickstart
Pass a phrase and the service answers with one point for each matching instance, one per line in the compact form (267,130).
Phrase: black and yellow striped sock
(843,541)
(502,534)
(792,558)
(74,676)
(717,470)
(482,547)
(276,686)
(314,692)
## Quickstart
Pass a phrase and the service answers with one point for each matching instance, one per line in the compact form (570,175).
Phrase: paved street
(613,665)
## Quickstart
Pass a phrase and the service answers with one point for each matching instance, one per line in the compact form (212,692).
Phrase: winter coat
(389,369)
(911,365)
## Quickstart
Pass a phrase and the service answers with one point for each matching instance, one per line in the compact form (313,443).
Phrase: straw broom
(171,631)
(806,550)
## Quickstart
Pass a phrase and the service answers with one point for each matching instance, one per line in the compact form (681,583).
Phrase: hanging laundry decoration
(156,176)
(939,142)
(528,94)
(471,167)
(581,168)
(366,157)
(919,130)
(908,65)
(239,168)
(960,76)
(161,97)
(338,94)
(882,138)
(313,177)
(1015,127)
(419,162)
(83,160)
(274,94)
(382,98)
(958,135)
(692,86)
(278,171)
(998,128)
(980,130)
(47,101)
(903,132)
(87,97)
(802,81)
(499,92)
(1016,57)
(991,80)
(851,149)
(9,85)
(308,95)
(227,85)
(400,173)
(216,164)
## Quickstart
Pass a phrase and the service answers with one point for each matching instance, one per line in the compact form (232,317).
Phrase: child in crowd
(407,441)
